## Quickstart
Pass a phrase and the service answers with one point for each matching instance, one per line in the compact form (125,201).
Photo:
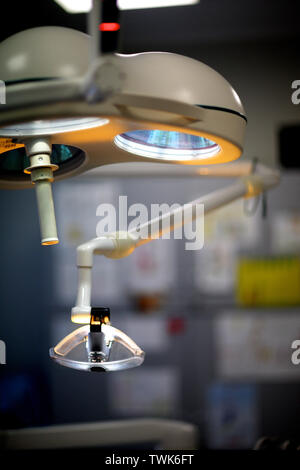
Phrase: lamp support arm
(121,244)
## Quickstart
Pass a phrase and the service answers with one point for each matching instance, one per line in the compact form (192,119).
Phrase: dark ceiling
(212,21)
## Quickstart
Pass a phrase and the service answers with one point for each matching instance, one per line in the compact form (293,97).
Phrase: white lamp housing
(139,4)
(177,99)
(154,106)
(84,6)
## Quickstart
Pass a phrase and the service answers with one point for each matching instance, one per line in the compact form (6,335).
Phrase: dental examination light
(99,344)
(98,336)
(70,108)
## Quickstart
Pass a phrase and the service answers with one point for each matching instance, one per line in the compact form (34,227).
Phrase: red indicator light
(109,27)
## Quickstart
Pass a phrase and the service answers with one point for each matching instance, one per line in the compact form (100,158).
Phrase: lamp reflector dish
(166,145)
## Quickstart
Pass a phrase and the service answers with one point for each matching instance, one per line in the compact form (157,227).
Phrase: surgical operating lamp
(70,108)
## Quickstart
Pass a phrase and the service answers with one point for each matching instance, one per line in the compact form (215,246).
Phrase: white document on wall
(149,332)
(226,231)
(152,267)
(256,345)
(145,391)
(285,232)
(215,267)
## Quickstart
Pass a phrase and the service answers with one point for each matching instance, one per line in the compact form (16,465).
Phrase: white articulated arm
(121,244)
(115,245)
(249,185)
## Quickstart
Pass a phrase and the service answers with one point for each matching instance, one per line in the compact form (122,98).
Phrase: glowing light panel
(109,27)
(48,127)
(137,4)
(75,6)
(83,6)
(166,145)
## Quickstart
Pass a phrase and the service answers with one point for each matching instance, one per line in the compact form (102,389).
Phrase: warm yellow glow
(50,242)
(228,152)
(236,169)
(82,319)
(254,186)
(7,144)
(94,135)
(85,318)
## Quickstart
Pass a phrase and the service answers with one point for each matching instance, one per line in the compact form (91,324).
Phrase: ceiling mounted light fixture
(155,99)
(139,4)
(84,6)
(62,94)
(75,6)
(68,110)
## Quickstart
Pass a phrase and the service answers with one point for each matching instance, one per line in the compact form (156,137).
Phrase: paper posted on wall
(256,346)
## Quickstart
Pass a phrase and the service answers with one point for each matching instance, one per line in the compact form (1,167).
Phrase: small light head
(97,344)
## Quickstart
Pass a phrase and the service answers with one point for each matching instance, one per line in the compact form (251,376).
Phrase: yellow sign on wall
(268,281)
